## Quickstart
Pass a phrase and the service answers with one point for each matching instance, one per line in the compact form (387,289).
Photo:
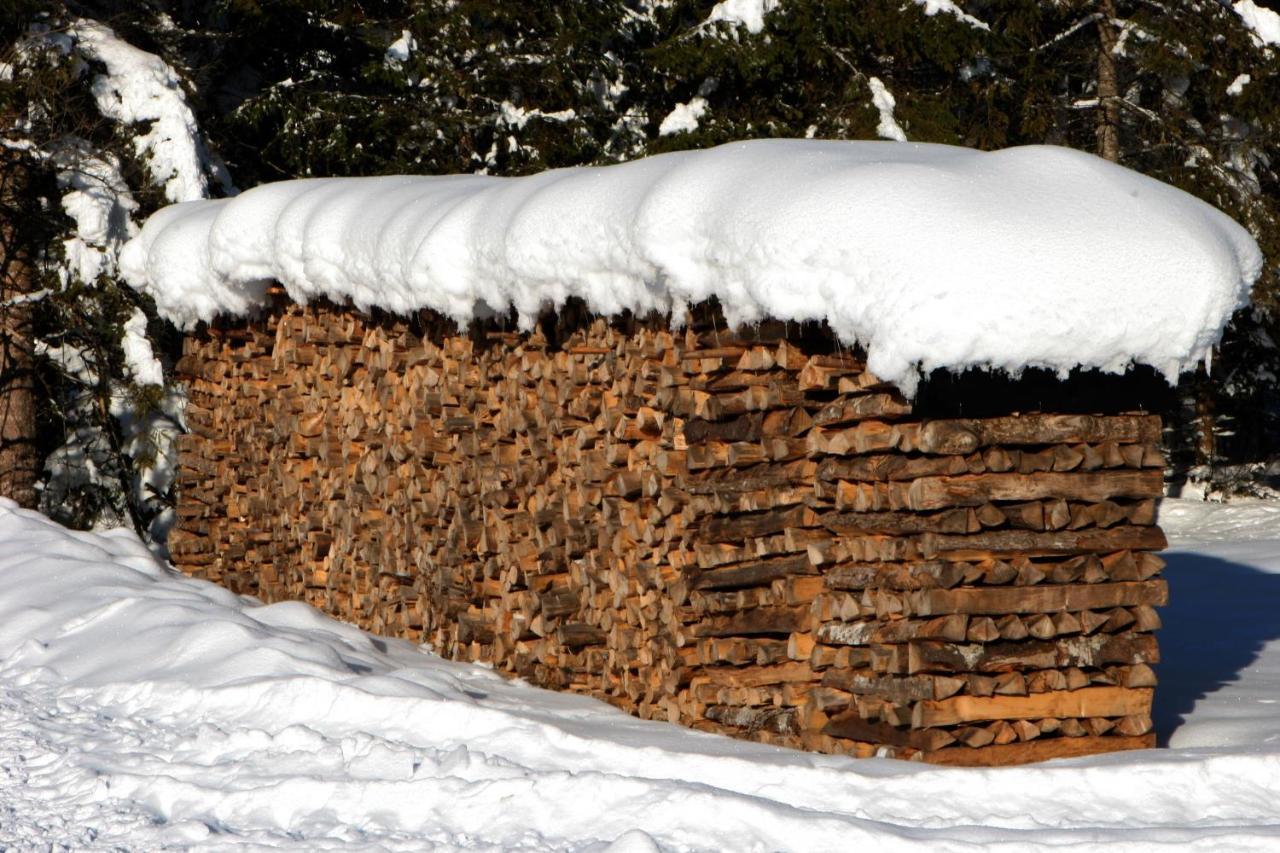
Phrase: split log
(713,527)
(850,725)
(1027,543)
(965,436)
(1094,651)
(928,493)
(1087,702)
(1040,750)
(1040,599)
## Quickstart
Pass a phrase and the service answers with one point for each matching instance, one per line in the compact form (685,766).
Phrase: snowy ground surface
(141,710)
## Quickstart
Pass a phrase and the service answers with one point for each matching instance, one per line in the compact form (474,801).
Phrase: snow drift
(927,255)
(143,710)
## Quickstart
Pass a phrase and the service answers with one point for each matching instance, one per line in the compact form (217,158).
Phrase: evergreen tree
(91,154)
(436,87)
(808,72)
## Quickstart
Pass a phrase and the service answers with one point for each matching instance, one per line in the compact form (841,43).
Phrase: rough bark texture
(1108,84)
(746,534)
(19,454)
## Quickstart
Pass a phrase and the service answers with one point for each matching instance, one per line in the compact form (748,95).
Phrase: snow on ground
(927,255)
(1192,523)
(1220,682)
(140,709)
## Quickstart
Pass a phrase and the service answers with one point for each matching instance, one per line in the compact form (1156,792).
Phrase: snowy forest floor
(142,710)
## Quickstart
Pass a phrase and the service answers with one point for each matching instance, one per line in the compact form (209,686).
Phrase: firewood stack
(737,532)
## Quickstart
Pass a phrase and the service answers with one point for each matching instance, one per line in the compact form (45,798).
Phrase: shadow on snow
(1220,615)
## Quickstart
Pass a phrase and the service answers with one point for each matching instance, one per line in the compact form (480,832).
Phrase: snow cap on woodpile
(928,256)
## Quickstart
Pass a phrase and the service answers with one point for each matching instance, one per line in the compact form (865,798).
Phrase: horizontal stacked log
(732,531)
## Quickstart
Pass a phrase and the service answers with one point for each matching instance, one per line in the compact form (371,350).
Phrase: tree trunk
(1206,420)
(19,455)
(1108,85)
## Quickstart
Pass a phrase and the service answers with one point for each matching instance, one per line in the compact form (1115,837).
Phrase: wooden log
(757,676)
(901,690)
(738,527)
(928,493)
(755,573)
(891,466)
(851,725)
(974,737)
(780,720)
(748,427)
(1040,599)
(761,620)
(560,601)
(578,635)
(952,628)
(929,574)
(1093,651)
(956,521)
(967,435)
(1088,702)
(1137,724)
(1033,544)
(1036,750)
(764,476)
(851,409)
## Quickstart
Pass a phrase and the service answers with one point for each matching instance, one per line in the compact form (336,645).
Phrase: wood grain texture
(720,529)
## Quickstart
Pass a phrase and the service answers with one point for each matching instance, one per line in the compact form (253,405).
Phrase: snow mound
(143,710)
(928,256)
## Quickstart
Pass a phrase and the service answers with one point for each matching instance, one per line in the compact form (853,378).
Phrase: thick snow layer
(927,255)
(1263,22)
(140,709)
(140,88)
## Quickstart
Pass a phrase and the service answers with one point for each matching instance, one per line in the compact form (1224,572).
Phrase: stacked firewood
(735,531)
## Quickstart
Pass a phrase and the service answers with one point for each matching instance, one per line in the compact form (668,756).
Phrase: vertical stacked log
(733,531)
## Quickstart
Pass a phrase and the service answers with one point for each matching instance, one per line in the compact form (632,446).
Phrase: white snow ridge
(927,255)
